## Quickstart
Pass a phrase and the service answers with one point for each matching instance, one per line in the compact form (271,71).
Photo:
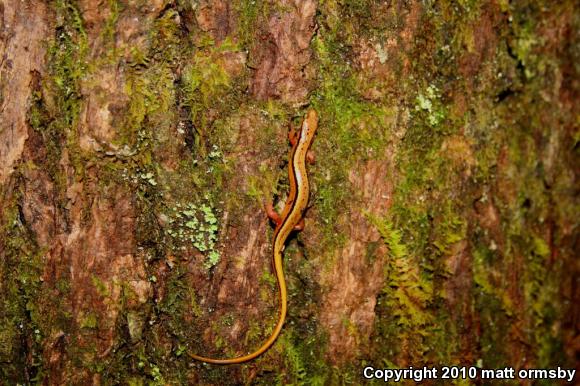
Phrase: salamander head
(310,125)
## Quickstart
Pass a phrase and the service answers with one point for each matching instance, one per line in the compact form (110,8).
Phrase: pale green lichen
(429,101)
(196,224)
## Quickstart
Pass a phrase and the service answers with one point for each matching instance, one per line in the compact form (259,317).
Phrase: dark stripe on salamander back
(292,176)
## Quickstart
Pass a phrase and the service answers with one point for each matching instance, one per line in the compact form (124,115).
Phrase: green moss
(88,321)
(407,295)
(295,364)
(108,32)
(67,56)
(351,130)
(426,222)
(100,286)
(150,92)
(350,19)
(205,82)
(250,14)
(23,316)
(56,104)
(301,361)
(540,291)
(483,272)
(175,307)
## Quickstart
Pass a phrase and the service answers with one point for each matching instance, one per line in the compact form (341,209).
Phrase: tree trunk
(139,141)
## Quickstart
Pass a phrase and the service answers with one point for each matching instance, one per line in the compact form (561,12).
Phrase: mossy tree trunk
(139,141)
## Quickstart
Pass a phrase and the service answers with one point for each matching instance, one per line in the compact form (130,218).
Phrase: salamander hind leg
(272,214)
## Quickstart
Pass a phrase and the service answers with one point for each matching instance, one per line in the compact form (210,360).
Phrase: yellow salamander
(290,219)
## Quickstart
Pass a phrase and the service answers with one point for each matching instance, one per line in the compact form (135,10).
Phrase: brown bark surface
(139,141)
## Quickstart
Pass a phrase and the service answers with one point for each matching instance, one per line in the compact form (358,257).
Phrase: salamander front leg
(310,157)
(292,135)
(300,226)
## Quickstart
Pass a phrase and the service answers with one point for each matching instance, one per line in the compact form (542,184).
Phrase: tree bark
(139,141)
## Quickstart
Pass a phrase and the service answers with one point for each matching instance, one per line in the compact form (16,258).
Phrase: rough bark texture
(140,139)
